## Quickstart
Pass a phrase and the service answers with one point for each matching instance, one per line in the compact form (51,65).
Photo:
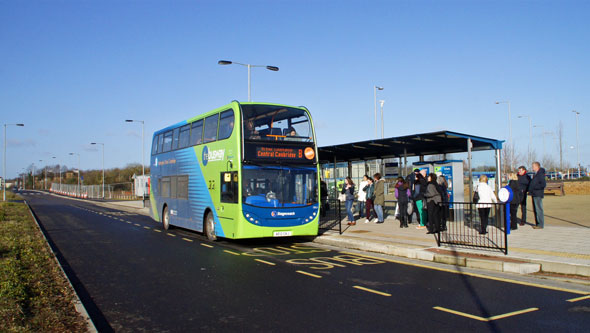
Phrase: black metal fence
(332,212)
(465,226)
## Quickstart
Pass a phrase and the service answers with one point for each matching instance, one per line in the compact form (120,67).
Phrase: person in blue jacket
(537,191)
(523,187)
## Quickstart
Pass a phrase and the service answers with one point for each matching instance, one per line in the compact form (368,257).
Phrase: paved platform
(555,249)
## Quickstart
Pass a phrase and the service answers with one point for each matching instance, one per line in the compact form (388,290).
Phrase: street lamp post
(33,176)
(381,102)
(4,159)
(102,144)
(142,144)
(44,175)
(530,135)
(509,133)
(78,171)
(543,135)
(270,68)
(375,88)
(578,143)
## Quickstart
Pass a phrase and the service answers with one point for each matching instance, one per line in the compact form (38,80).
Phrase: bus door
(229,192)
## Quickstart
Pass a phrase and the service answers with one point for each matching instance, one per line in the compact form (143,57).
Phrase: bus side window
(226,124)
(165,187)
(229,187)
(197,132)
(167,141)
(155,145)
(161,143)
(211,128)
(175,138)
(183,140)
(182,187)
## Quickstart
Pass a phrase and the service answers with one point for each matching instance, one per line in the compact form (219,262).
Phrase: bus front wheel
(210,227)
(166,218)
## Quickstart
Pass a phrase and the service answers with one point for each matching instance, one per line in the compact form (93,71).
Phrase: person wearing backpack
(370,190)
(418,196)
(402,194)
(411,179)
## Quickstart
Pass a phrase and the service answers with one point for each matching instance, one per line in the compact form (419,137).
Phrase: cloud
(21,143)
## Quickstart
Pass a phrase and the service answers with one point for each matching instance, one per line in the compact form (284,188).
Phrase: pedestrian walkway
(557,249)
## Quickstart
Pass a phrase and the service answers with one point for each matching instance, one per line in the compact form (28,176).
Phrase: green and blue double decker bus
(245,170)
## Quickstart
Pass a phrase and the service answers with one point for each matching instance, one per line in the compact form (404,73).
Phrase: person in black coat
(523,187)
(516,198)
(537,191)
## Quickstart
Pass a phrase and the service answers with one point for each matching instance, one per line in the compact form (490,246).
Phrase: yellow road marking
(467,315)
(206,245)
(231,252)
(372,291)
(171,235)
(309,274)
(148,228)
(156,230)
(265,262)
(186,239)
(128,222)
(137,224)
(578,299)
(530,284)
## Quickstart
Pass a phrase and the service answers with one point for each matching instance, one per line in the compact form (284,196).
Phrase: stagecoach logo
(212,156)
(274,213)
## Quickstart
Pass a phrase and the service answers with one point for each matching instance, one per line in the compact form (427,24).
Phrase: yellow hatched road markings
(129,222)
(530,284)
(372,291)
(156,230)
(148,228)
(231,252)
(137,224)
(265,262)
(310,274)
(467,315)
(186,239)
(578,299)
(171,235)
(206,245)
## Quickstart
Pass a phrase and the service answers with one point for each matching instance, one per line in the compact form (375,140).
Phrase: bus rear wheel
(210,227)
(166,218)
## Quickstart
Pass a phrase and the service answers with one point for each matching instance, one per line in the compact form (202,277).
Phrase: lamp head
(224,62)
(92,143)
(129,120)
(379,88)
(20,125)
(272,68)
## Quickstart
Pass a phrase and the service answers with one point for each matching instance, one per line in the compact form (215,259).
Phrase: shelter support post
(405,161)
(334,178)
(469,146)
(498,170)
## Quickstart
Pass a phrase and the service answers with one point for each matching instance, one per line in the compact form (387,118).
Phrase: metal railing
(464,228)
(331,214)
(111,191)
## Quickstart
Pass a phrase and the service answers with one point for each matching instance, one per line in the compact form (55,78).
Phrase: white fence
(111,191)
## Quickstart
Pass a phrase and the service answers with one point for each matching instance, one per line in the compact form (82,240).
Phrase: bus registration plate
(282,233)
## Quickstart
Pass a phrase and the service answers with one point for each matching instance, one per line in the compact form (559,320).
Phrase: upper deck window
(276,123)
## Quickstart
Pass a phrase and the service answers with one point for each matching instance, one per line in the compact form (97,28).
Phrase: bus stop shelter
(416,145)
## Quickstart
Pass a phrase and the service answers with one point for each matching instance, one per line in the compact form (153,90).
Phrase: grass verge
(34,294)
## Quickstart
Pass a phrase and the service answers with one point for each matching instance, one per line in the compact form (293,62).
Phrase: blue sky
(72,71)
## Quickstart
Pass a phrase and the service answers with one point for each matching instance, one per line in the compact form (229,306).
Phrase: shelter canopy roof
(443,142)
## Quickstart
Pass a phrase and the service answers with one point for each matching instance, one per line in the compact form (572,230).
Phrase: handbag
(475,197)
(410,207)
(342,197)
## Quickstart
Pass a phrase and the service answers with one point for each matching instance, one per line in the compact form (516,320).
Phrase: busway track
(341,260)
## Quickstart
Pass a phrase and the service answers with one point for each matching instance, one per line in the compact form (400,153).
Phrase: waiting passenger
(486,198)
(403,195)
(433,201)
(348,191)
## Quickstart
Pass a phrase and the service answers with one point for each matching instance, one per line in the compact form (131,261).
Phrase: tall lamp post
(530,135)
(33,176)
(270,68)
(142,144)
(78,171)
(578,143)
(381,102)
(102,144)
(543,135)
(44,175)
(375,88)
(4,159)
(509,132)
